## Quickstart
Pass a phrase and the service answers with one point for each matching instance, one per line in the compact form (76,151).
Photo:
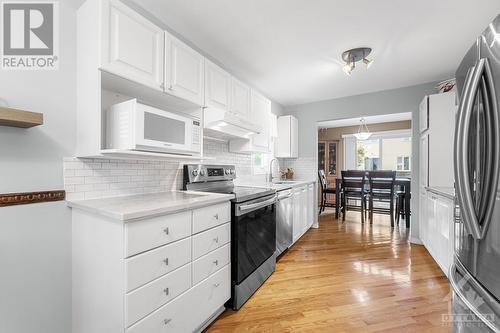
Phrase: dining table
(402,182)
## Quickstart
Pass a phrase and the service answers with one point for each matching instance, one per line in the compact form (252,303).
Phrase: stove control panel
(198,173)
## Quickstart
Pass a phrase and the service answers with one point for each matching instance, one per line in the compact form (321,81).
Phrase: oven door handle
(257,205)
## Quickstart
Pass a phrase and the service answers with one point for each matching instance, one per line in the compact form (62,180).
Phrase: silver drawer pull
(166,231)
(216,262)
(165,261)
(166,321)
(216,285)
(166,291)
(216,239)
(216,216)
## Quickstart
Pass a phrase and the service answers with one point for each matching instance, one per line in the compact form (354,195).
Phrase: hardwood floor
(347,277)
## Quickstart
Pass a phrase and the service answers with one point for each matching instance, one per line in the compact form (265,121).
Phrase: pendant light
(363,132)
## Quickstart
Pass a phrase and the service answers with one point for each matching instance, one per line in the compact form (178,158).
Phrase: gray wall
(384,102)
(35,240)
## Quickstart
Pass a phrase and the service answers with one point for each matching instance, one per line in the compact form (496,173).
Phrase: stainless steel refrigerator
(475,275)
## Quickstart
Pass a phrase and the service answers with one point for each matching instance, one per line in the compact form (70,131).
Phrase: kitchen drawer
(153,295)
(150,233)
(150,265)
(211,263)
(189,311)
(210,240)
(211,216)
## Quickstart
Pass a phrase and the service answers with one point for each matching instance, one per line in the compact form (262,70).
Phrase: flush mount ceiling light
(351,57)
(363,132)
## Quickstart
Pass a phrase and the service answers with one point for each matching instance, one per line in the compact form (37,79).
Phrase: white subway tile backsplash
(96,178)
(74,180)
(304,168)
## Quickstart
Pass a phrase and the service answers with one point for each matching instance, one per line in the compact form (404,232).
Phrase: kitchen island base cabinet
(174,284)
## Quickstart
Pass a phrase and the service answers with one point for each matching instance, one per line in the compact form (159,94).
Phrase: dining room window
(368,155)
(403,163)
(382,151)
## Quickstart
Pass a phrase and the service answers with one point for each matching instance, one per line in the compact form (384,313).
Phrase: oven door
(159,130)
(254,235)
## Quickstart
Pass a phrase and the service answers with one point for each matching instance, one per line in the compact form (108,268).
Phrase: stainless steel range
(253,226)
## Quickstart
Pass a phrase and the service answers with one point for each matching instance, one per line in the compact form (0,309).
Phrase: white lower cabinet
(145,300)
(436,232)
(186,312)
(296,214)
(303,210)
(150,265)
(211,263)
(139,277)
(311,211)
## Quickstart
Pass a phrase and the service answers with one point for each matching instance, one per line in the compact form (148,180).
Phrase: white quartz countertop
(133,207)
(280,185)
(448,192)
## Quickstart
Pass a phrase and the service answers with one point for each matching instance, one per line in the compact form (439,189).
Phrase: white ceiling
(290,49)
(386,118)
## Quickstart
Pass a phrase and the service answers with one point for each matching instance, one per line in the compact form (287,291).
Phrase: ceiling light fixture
(351,57)
(363,132)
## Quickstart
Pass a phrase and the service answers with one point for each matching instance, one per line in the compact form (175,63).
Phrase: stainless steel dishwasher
(284,221)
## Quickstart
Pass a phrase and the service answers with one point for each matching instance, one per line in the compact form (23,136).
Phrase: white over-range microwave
(131,125)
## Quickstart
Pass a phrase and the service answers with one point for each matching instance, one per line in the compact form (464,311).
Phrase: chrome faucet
(270,178)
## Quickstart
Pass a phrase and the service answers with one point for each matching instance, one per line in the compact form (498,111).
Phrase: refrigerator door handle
(493,147)
(464,192)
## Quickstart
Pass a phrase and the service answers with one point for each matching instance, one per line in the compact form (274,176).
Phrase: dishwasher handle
(283,197)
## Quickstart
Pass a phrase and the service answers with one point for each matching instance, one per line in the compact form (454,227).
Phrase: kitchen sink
(286,182)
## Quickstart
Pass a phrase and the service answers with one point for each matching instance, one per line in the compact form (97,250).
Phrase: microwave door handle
(490,183)
(464,192)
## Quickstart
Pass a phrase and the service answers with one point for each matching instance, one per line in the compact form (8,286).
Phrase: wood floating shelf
(19,118)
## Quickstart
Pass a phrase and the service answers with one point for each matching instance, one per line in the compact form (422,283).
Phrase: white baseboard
(415,240)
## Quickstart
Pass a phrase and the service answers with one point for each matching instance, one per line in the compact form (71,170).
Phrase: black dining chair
(325,190)
(400,208)
(353,191)
(381,191)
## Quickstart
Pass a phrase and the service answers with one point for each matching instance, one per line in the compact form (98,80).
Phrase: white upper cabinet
(240,99)
(184,70)
(261,114)
(288,137)
(424,114)
(442,111)
(217,87)
(132,45)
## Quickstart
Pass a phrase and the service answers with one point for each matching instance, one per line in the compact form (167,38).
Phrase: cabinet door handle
(216,262)
(216,285)
(165,261)
(166,321)
(166,231)
(166,291)
(216,216)
(216,239)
